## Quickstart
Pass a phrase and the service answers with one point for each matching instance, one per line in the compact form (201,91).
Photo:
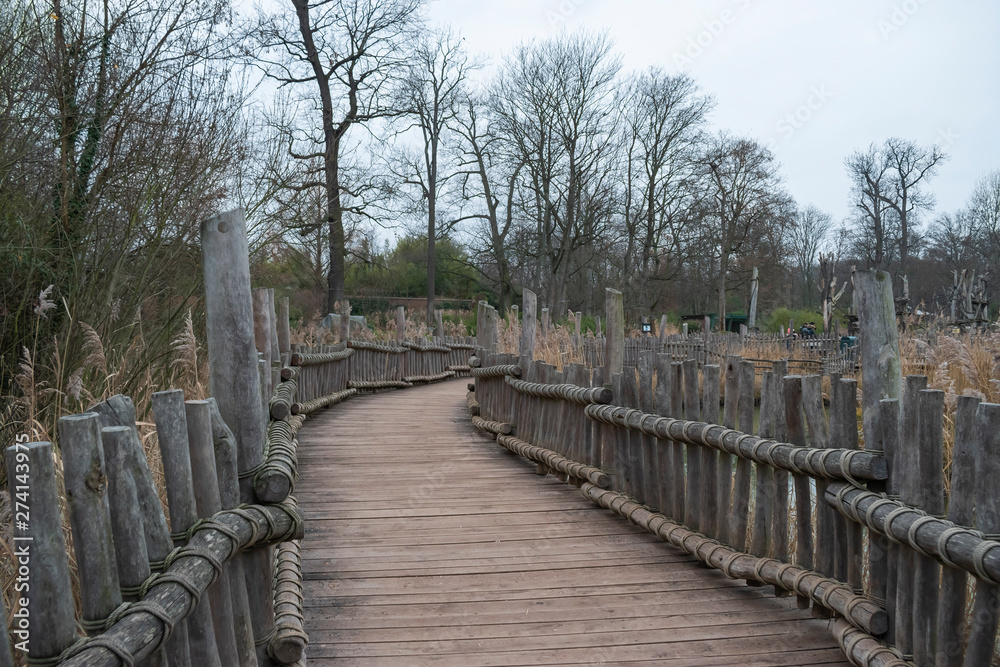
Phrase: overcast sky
(816,80)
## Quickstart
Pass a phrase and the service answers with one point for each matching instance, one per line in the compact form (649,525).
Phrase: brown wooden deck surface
(426,543)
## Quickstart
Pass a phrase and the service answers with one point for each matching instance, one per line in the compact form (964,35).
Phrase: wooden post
(881,374)
(527,344)
(614,353)
(47,621)
(119,411)
(272,313)
(754,288)
(951,610)
(84,475)
(262,314)
(208,501)
(284,327)
(401,324)
(597,331)
(740,516)
(131,555)
(907,480)
(986,609)
(345,321)
(172,435)
(684,330)
(232,357)
(765,492)
(724,462)
(438,322)
(930,498)
(577,335)
(662,333)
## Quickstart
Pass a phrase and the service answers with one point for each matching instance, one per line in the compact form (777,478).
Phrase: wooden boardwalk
(428,544)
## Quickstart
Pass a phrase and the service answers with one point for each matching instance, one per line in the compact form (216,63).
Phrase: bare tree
(984,210)
(871,189)
(745,194)
(911,166)
(809,234)
(353,52)
(663,116)
(486,176)
(430,97)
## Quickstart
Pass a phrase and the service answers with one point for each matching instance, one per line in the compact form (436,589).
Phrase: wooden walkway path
(428,544)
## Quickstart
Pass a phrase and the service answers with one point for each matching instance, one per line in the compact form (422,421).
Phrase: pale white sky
(855,71)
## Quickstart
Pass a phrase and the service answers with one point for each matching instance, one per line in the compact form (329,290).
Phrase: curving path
(426,543)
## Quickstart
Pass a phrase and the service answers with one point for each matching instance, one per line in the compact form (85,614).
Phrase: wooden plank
(501,567)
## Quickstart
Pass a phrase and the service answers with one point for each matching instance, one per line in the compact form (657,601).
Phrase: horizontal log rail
(497,371)
(137,630)
(556,461)
(280,405)
(830,593)
(274,479)
(428,378)
(566,392)
(317,403)
(495,427)
(940,539)
(418,347)
(459,368)
(841,464)
(863,649)
(374,346)
(315,359)
(369,385)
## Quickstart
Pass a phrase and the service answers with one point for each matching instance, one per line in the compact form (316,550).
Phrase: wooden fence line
(860,533)
(213,591)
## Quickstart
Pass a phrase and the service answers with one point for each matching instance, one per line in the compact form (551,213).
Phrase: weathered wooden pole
(881,370)
(578,329)
(45,624)
(546,322)
(119,411)
(208,502)
(527,344)
(272,332)
(262,315)
(597,325)
(754,288)
(662,333)
(284,327)
(401,324)
(986,609)
(951,610)
(227,470)
(345,321)
(172,436)
(126,520)
(439,323)
(234,378)
(90,517)
(614,351)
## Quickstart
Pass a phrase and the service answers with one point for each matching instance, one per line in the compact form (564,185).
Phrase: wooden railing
(207,590)
(767,481)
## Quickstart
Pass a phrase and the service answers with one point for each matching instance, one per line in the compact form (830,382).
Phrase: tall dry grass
(52,382)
